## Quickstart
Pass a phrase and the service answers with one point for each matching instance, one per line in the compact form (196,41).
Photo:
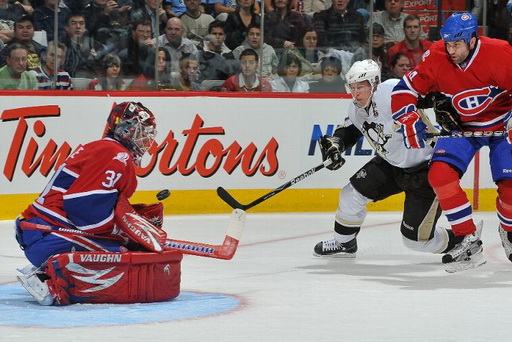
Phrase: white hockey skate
(467,254)
(507,245)
(334,249)
(35,286)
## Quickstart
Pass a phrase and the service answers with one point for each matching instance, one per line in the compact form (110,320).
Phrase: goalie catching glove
(332,147)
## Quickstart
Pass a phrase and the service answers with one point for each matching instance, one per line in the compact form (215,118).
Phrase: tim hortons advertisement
(202,142)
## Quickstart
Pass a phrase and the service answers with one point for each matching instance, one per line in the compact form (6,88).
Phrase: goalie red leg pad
(504,204)
(138,229)
(133,277)
(453,200)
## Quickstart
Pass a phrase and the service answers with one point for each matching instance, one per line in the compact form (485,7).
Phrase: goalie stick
(233,203)
(225,251)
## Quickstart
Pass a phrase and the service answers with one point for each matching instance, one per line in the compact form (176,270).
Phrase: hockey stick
(233,203)
(224,251)
(467,134)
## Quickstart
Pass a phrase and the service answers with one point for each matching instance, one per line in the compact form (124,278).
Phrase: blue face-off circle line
(19,309)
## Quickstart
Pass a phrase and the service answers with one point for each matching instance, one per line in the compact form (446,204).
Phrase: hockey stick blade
(233,203)
(467,134)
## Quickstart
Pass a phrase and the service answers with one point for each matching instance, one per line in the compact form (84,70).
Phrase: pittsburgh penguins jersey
(83,192)
(479,90)
(379,129)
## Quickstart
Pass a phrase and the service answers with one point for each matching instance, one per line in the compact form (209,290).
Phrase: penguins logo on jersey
(474,101)
(374,132)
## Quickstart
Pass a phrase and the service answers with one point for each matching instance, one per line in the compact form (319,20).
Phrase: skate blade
(42,298)
(458,266)
(336,255)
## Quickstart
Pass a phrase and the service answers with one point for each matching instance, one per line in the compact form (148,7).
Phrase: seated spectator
(216,60)
(195,23)
(175,43)
(282,26)
(308,52)
(340,28)
(269,60)
(147,82)
(247,80)
(392,19)
(83,51)
(44,17)
(189,73)
(110,75)
(14,74)
(412,45)
(239,21)
(147,12)
(331,81)
(138,56)
(174,8)
(399,65)
(289,70)
(24,35)
(380,50)
(311,7)
(9,14)
(45,74)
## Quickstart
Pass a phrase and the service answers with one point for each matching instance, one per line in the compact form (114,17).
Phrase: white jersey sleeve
(379,129)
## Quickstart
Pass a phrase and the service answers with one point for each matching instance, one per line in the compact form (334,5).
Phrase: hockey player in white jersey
(395,169)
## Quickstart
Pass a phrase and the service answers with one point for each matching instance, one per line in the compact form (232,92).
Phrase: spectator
(24,35)
(340,28)
(269,60)
(110,78)
(195,24)
(308,52)
(175,43)
(216,60)
(82,50)
(14,75)
(289,70)
(331,81)
(9,14)
(399,65)
(106,21)
(44,16)
(148,12)
(247,80)
(138,56)
(146,82)
(380,50)
(412,45)
(189,72)
(283,26)
(392,19)
(45,74)
(311,7)
(239,21)
(174,8)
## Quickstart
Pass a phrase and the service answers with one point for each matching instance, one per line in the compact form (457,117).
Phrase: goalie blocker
(133,277)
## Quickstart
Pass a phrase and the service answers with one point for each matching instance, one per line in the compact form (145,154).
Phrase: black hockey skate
(467,254)
(505,242)
(334,249)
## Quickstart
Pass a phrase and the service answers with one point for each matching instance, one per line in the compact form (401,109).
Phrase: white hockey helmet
(360,71)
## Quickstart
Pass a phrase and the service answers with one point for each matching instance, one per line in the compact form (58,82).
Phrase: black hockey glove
(332,148)
(446,116)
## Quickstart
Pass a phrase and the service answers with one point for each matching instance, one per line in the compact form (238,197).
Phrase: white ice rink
(275,290)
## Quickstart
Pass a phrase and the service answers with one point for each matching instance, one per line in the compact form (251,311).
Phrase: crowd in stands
(305,46)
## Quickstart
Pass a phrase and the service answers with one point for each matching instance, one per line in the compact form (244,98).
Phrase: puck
(163,194)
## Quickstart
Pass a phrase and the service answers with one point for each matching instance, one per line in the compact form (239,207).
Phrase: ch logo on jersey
(374,132)
(122,157)
(474,101)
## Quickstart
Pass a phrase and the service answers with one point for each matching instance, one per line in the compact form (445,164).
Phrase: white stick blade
(236,224)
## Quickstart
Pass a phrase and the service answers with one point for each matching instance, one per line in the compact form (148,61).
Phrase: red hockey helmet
(134,126)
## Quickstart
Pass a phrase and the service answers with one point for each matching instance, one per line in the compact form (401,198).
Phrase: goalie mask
(366,70)
(134,126)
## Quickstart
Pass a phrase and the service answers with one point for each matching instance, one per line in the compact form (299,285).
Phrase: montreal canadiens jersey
(479,91)
(83,192)
(379,128)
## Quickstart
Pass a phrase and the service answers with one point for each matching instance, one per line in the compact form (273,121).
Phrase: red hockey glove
(508,126)
(413,129)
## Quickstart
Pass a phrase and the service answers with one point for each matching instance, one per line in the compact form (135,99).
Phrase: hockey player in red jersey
(81,223)
(394,170)
(474,73)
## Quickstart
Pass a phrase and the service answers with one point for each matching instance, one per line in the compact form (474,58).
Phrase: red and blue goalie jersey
(480,91)
(83,192)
